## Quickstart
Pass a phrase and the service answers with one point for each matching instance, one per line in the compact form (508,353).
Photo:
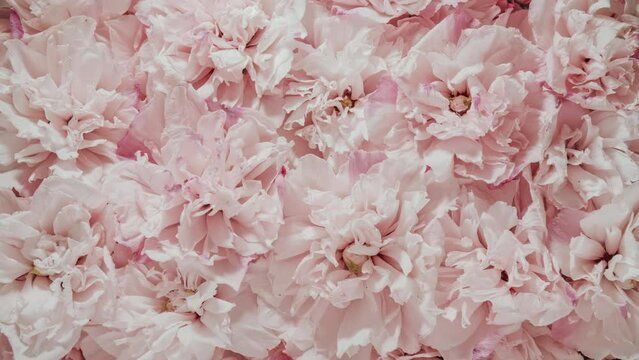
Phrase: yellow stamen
(35,271)
(353,267)
(168,306)
(459,104)
(346,102)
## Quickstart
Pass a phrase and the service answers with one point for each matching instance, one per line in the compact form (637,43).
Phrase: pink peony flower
(234,52)
(140,205)
(591,55)
(530,342)
(55,276)
(39,15)
(179,304)
(381,11)
(589,158)
(599,257)
(330,80)
(211,184)
(475,93)
(163,314)
(495,275)
(60,109)
(362,274)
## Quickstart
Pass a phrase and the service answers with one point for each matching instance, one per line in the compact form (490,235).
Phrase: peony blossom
(362,264)
(232,51)
(330,80)
(589,158)
(494,277)
(591,52)
(211,180)
(39,15)
(55,275)
(474,93)
(597,252)
(177,304)
(61,111)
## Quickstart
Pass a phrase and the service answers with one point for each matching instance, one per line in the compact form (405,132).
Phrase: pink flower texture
(484,114)
(345,272)
(56,274)
(233,51)
(39,15)
(381,11)
(61,108)
(591,54)
(329,82)
(319,179)
(210,183)
(598,252)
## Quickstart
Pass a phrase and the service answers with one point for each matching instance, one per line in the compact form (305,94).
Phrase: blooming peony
(494,277)
(60,109)
(39,15)
(475,92)
(598,253)
(55,274)
(232,51)
(330,81)
(351,267)
(211,183)
(589,157)
(591,52)
(178,305)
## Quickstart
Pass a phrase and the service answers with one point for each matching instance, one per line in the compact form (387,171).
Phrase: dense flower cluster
(319,179)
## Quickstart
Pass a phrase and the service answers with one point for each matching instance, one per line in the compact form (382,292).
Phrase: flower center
(607,257)
(354,261)
(346,101)
(50,255)
(37,272)
(459,104)
(175,300)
